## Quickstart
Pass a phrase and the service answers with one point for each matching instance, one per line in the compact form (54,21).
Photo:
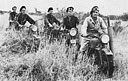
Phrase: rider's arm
(77,21)
(56,21)
(47,21)
(15,17)
(104,27)
(30,20)
(10,18)
(49,24)
(84,27)
(64,23)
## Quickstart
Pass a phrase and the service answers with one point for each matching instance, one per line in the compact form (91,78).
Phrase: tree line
(61,13)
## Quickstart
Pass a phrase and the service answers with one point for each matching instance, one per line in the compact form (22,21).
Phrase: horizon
(107,7)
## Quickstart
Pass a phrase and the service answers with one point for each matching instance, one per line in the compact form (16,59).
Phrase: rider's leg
(83,45)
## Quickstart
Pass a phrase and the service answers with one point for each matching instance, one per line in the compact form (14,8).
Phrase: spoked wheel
(52,39)
(101,60)
(54,36)
(107,64)
(111,66)
(104,66)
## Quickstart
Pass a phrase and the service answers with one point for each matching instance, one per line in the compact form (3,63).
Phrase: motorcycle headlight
(73,32)
(105,38)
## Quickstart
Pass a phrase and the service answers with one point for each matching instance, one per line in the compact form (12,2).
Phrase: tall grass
(120,56)
(53,62)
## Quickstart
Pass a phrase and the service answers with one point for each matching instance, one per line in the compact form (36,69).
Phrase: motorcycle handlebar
(89,36)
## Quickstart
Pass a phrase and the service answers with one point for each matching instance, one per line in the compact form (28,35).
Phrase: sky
(107,7)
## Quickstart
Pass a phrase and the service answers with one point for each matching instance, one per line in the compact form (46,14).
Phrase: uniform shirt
(89,26)
(51,19)
(70,22)
(23,18)
(12,16)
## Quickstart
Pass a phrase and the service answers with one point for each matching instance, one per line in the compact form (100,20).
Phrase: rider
(50,20)
(12,15)
(70,21)
(22,17)
(92,25)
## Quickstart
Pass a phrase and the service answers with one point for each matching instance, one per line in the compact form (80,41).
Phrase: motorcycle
(29,40)
(72,38)
(98,48)
(31,36)
(55,34)
(12,25)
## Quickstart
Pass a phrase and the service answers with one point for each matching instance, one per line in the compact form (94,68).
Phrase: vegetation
(52,62)
(81,15)
(123,17)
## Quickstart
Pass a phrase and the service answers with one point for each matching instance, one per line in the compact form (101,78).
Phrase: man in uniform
(92,25)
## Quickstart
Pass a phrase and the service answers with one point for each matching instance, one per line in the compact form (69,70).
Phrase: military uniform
(90,27)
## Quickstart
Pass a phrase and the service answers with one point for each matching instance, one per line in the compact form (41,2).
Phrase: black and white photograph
(63,40)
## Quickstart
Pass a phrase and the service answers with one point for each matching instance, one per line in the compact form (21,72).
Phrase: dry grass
(50,63)
(54,63)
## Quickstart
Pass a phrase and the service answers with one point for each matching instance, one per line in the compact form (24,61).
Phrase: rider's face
(51,11)
(14,9)
(70,12)
(95,13)
(23,11)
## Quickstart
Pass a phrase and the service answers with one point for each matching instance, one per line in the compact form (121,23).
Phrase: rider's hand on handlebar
(20,25)
(84,36)
(100,31)
(50,25)
(11,21)
(103,31)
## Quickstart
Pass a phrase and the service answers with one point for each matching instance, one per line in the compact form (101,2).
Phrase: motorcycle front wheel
(111,66)
(101,60)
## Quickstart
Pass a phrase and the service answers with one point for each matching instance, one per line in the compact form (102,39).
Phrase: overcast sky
(106,6)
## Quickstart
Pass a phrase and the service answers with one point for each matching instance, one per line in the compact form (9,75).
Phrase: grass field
(52,64)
